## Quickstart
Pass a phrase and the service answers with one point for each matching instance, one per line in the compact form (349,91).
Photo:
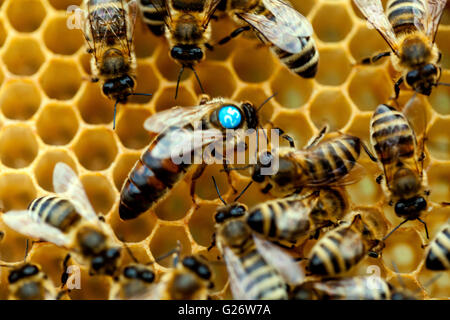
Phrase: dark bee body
(319,165)
(134,281)
(28,282)
(394,142)
(304,62)
(153,14)
(152,177)
(109,34)
(354,288)
(438,256)
(292,219)
(342,248)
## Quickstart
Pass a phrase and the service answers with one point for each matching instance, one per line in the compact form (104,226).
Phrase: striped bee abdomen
(153,15)
(107,18)
(151,178)
(260,279)
(332,160)
(402,13)
(284,219)
(392,137)
(57,212)
(337,252)
(303,63)
(438,257)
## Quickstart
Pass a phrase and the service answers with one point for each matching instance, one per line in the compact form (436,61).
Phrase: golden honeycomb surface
(50,112)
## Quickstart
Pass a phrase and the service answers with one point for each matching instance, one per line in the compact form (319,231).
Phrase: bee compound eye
(428,70)
(130,273)
(127,82)
(97,263)
(204,272)
(112,253)
(147,276)
(421,203)
(230,117)
(14,276)
(30,270)
(219,217)
(400,208)
(189,262)
(412,77)
(108,87)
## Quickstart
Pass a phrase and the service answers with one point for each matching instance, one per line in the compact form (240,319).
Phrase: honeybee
(108,27)
(342,248)
(135,280)
(28,282)
(155,173)
(321,163)
(187,31)
(153,13)
(291,219)
(401,160)
(279,25)
(257,269)
(68,220)
(409,28)
(350,288)
(190,279)
(438,255)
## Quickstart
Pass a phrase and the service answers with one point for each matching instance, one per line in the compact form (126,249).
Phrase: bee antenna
(443,84)
(242,192)
(393,230)
(140,94)
(26,251)
(165,255)
(198,79)
(265,101)
(429,282)
(218,191)
(114,117)
(238,168)
(178,81)
(130,253)
(399,277)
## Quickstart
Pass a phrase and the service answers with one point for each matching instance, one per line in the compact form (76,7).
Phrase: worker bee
(322,163)
(350,288)
(278,24)
(257,269)
(409,28)
(28,282)
(108,27)
(342,248)
(135,280)
(153,13)
(401,160)
(294,218)
(68,220)
(187,31)
(438,255)
(155,173)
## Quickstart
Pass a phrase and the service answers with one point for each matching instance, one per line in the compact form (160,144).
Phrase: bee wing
(285,30)
(132,15)
(209,9)
(236,273)
(22,222)
(435,8)
(177,117)
(374,13)
(66,183)
(291,272)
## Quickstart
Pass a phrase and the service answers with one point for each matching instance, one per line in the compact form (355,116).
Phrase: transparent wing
(236,273)
(373,11)
(285,35)
(210,7)
(178,116)
(291,272)
(22,222)
(132,15)
(67,184)
(289,18)
(435,8)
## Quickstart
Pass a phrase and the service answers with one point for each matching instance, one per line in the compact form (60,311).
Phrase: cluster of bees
(310,203)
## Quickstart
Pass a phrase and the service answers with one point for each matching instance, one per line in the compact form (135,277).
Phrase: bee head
(143,274)
(119,88)
(25,271)
(410,208)
(234,210)
(106,262)
(187,54)
(198,267)
(422,80)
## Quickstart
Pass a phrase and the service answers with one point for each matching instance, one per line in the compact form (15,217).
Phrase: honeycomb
(49,112)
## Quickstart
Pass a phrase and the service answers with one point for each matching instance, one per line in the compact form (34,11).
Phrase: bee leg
(65,276)
(366,149)
(213,242)
(427,192)
(397,88)
(315,140)
(375,58)
(197,174)
(233,34)
(290,140)
(379,179)
(266,189)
